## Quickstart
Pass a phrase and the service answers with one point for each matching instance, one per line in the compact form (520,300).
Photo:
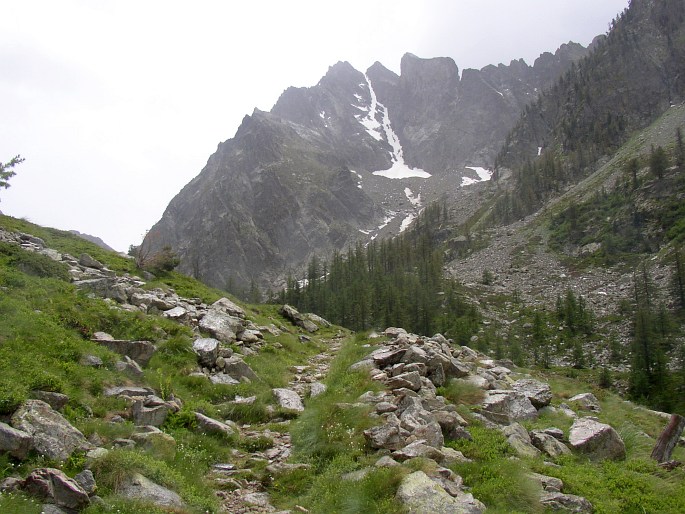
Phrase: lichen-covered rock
(210,425)
(418,494)
(548,444)
(519,439)
(288,399)
(565,502)
(505,406)
(539,393)
(221,326)
(140,487)
(51,434)
(596,440)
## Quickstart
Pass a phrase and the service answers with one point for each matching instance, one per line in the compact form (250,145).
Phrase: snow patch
(358,97)
(407,221)
(484,175)
(539,151)
(359,179)
(414,200)
(389,216)
(322,114)
(370,122)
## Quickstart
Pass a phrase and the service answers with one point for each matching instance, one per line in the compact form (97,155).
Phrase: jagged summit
(274,195)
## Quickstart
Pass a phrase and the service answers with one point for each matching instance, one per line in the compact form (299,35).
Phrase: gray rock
(149,415)
(221,326)
(238,369)
(549,484)
(209,425)
(15,442)
(548,444)
(565,502)
(596,440)
(139,351)
(54,486)
(519,439)
(288,399)
(176,313)
(411,380)
(586,401)
(316,389)
(385,357)
(539,393)
(130,391)
(230,308)
(386,462)
(51,434)
(129,366)
(207,351)
(504,406)
(418,494)
(92,361)
(141,488)
(250,336)
(318,319)
(222,379)
(87,481)
(89,262)
(386,436)
(418,449)
(55,400)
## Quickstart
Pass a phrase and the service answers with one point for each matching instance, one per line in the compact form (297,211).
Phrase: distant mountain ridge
(312,175)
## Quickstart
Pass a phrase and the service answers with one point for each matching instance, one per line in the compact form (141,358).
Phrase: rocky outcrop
(53,486)
(15,442)
(506,406)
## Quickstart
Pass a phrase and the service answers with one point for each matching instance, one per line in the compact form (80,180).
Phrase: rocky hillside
(356,156)
(132,396)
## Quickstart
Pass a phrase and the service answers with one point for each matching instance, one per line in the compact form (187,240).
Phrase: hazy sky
(116,105)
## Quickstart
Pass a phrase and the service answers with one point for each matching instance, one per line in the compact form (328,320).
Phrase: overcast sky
(116,105)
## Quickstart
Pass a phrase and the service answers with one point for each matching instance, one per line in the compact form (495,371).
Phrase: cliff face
(353,157)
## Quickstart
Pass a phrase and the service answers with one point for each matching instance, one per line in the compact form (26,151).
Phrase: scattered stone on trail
(222,379)
(597,440)
(316,389)
(54,486)
(89,262)
(288,399)
(586,401)
(51,434)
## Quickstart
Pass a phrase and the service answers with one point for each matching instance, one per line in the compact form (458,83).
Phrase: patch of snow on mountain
(539,151)
(389,216)
(414,200)
(370,122)
(358,97)
(359,177)
(323,115)
(484,175)
(407,221)
(399,168)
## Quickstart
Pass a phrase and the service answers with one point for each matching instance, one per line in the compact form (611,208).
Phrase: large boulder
(53,486)
(15,442)
(539,393)
(221,326)
(140,487)
(505,406)
(418,494)
(387,436)
(213,426)
(51,434)
(596,440)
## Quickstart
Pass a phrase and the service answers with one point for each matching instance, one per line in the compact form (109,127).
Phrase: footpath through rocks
(248,495)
